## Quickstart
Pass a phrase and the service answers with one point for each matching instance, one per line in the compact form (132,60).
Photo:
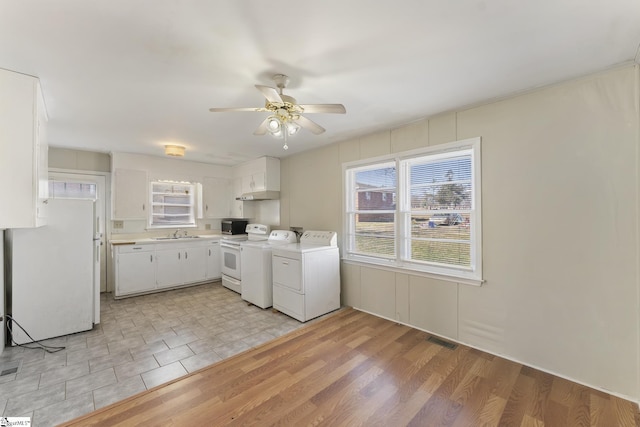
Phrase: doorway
(70,185)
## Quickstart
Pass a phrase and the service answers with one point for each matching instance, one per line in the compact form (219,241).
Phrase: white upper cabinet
(217,197)
(23,151)
(262,174)
(130,194)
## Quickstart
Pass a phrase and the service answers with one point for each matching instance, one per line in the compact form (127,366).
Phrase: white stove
(231,262)
(257,267)
(306,276)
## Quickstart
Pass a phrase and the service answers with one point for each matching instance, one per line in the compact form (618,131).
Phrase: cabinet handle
(186,255)
(143,206)
(285,263)
(206,207)
(209,252)
(44,202)
(178,255)
(151,257)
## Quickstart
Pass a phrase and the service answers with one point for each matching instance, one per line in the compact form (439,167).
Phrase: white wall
(266,212)
(2,293)
(166,169)
(560,212)
(169,168)
(66,158)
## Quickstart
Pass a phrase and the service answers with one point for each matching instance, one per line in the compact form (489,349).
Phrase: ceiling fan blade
(224,110)
(310,125)
(323,108)
(270,93)
(262,129)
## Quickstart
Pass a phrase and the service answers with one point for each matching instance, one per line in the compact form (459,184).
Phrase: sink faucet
(176,233)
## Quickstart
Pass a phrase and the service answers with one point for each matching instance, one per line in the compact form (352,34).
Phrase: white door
(69,185)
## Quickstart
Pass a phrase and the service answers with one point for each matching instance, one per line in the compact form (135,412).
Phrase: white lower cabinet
(194,264)
(152,267)
(135,269)
(169,266)
(214,266)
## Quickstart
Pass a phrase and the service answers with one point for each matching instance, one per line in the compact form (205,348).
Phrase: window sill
(414,272)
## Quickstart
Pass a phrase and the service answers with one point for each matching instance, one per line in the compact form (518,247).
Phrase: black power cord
(47,348)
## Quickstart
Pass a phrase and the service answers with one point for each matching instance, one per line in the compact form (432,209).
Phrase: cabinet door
(19,150)
(259,181)
(217,197)
(213,261)
(255,181)
(42,168)
(135,272)
(247,184)
(130,194)
(237,205)
(169,267)
(194,264)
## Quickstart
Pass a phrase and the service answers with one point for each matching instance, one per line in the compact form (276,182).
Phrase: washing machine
(256,267)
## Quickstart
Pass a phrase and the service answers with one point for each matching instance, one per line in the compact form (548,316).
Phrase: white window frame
(401,261)
(191,222)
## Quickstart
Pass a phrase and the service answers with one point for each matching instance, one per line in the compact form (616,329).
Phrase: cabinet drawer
(127,249)
(287,272)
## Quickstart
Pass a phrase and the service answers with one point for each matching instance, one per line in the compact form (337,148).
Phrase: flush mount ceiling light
(174,150)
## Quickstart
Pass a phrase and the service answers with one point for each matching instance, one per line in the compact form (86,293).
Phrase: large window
(172,204)
(418,210)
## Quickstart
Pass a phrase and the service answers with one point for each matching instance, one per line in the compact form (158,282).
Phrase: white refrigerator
(54,286)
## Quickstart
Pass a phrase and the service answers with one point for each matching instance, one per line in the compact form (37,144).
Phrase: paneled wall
(560,229)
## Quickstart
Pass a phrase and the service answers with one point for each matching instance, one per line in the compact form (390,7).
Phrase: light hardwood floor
(352,369)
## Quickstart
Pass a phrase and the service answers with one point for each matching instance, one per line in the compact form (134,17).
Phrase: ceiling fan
(286,114)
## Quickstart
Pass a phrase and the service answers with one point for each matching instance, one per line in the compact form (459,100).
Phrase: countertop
(153,240)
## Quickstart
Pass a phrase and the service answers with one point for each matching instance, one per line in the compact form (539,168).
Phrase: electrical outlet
(207,226)
(118,224)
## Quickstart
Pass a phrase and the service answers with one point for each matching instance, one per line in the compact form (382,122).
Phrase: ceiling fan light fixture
(274,124)
(292,128)
(277,135)
(174,150)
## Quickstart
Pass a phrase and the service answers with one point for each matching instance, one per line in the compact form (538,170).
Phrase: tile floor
(140,342)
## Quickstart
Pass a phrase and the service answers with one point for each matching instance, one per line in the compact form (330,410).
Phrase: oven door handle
(230,246)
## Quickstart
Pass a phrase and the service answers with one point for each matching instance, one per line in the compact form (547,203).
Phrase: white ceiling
(131,76)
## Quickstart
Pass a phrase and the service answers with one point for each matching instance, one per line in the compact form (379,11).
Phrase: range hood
(260,195)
